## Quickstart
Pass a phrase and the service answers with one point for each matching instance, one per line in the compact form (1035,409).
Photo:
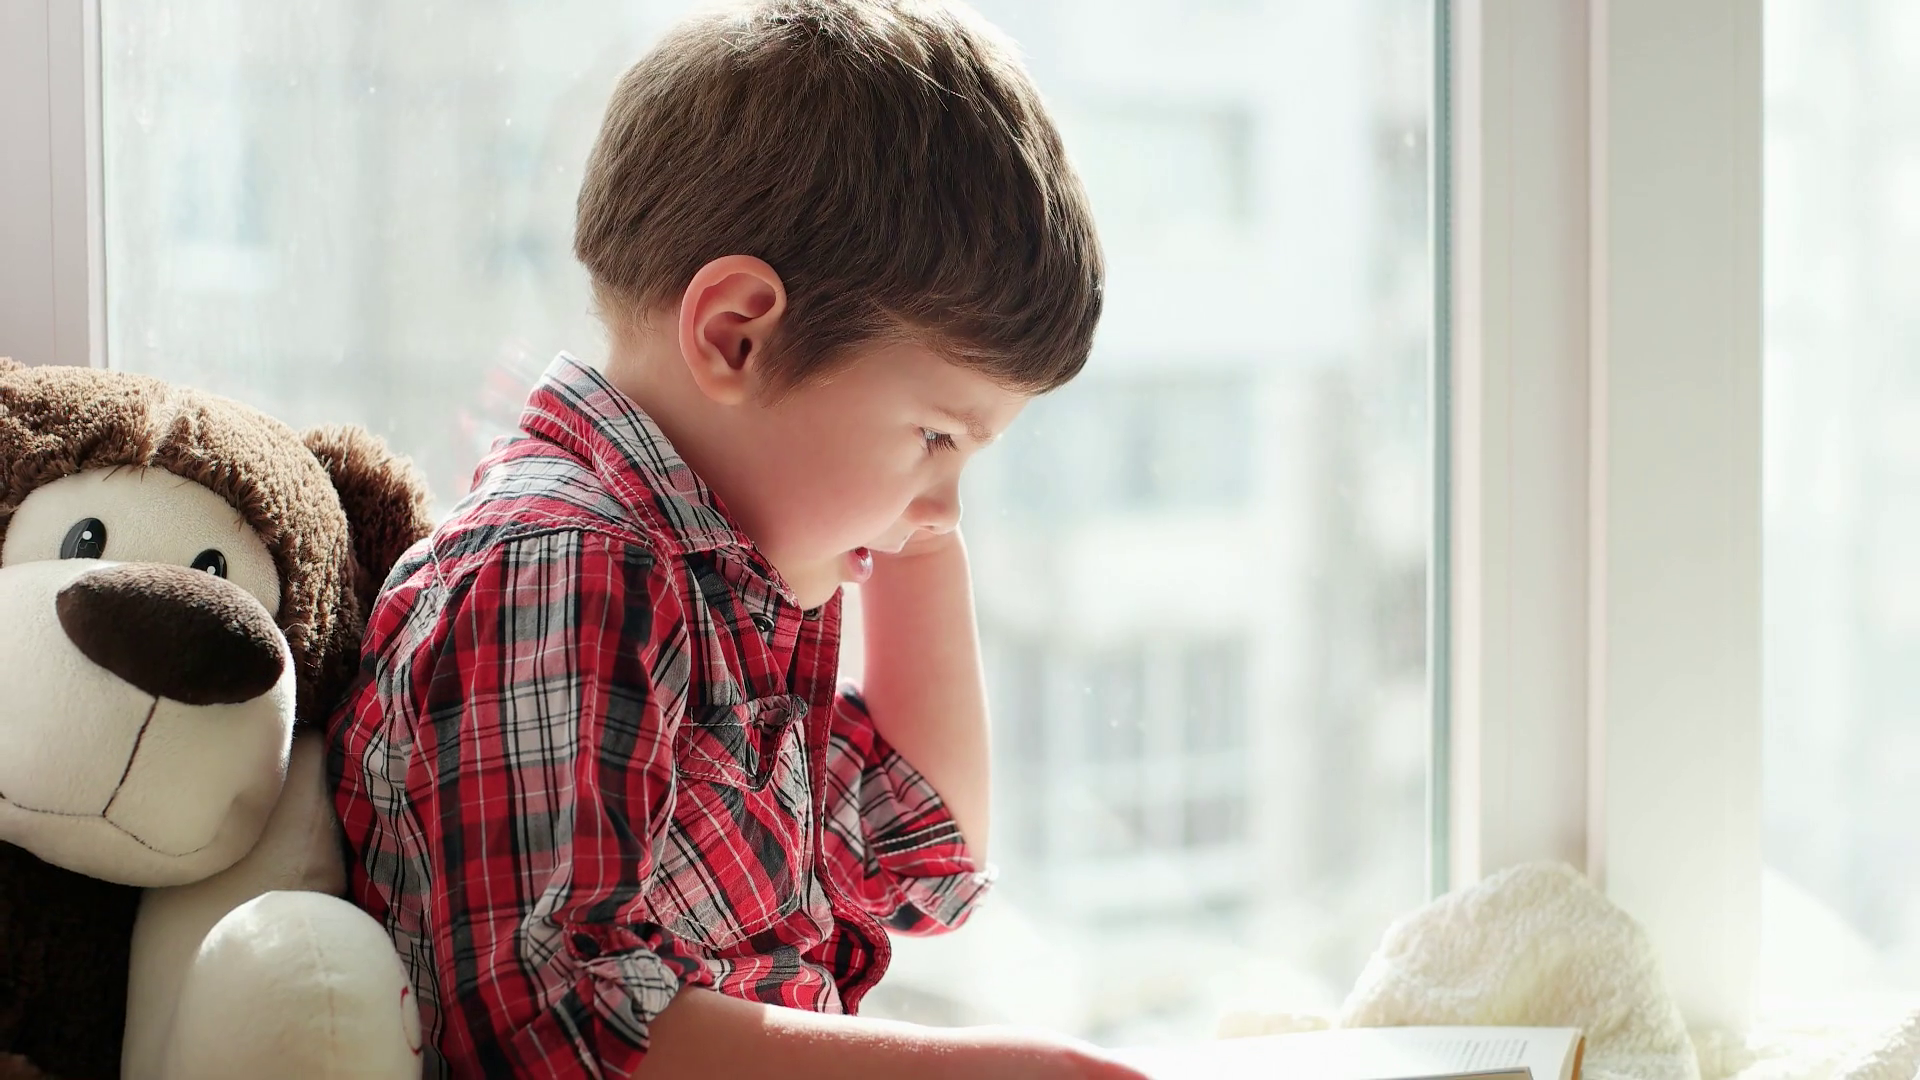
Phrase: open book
(1410,1053)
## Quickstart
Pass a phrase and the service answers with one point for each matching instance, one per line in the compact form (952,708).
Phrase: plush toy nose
(174,633)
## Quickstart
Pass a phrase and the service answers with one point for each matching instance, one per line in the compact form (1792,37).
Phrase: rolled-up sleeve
(551,715)
(890,841)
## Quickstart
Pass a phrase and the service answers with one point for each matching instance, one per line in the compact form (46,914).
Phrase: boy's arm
(704,1034)
(923,683)
(556,685)
(543,775)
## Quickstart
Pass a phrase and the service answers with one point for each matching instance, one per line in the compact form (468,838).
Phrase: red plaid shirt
(596,754)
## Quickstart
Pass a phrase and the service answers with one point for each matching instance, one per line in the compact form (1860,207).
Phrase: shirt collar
(577,409)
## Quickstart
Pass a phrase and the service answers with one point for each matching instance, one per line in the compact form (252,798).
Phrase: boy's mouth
(860,564)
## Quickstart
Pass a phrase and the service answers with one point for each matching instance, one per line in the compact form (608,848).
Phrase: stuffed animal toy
(183,586)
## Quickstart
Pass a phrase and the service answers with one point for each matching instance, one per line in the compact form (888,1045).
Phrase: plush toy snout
(220,646)
(129,677)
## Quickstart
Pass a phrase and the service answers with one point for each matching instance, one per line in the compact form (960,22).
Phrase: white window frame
(1606,460)
(52,280)
(1599,432)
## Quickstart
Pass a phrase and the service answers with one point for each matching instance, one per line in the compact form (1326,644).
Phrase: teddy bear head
(183,581)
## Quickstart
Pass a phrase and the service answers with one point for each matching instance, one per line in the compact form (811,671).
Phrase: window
(1842,498)
(1202,567)
(1141,443)
(1603,174)
(1162,169)
(356,212)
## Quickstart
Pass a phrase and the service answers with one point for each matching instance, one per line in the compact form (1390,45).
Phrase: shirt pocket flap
(737,744)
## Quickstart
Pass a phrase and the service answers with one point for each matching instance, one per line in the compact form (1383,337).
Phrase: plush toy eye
(212,562)
(86,540)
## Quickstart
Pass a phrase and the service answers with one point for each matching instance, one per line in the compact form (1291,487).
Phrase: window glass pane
(1842,491)
(1202,567)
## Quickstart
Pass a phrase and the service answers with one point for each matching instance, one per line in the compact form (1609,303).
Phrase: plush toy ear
(384,495)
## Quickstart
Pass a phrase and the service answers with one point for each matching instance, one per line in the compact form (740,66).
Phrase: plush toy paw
(295,984)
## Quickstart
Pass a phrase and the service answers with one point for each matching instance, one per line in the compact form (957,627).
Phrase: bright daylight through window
(1842,498)
(1203,567)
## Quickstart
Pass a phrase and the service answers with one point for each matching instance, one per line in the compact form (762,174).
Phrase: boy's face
(864,463)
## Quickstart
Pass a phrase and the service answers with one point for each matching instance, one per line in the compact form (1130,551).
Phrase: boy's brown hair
(890,159)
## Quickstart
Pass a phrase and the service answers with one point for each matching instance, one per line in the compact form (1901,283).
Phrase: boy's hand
(705,1034)
(1034,1055)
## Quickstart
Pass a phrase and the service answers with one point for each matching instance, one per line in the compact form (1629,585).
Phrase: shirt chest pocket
(739,849)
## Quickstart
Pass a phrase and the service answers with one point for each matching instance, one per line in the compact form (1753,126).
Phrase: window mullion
(51,285)
(1518,470)
(1676,452)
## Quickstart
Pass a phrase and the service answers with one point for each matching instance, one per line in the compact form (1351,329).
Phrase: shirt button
(586,946)
(762,623)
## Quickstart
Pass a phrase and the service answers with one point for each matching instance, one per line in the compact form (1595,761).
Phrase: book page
(1370,1054)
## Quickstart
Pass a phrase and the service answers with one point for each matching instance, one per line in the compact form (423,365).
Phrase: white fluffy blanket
(1538,946)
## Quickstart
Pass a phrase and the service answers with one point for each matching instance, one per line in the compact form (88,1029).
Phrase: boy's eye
(936,440)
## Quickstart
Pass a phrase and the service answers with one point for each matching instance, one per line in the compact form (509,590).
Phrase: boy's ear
(728,316)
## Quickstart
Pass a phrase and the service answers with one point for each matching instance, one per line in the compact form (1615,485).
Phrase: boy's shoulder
(529,488)
(529,485)
(537,560)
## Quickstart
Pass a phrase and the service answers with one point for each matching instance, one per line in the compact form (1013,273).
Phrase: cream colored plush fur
(262,970)
(1537,945)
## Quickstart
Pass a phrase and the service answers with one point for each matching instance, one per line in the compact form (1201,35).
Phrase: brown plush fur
(63,966)
(386,501)
(334,508)
(58,421)
(17,1067)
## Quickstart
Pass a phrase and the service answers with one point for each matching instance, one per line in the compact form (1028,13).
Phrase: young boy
(597,778)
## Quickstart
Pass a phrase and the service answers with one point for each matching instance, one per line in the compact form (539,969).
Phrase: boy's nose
(937,512)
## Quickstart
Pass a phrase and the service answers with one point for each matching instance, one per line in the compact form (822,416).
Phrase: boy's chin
(819,582)
(816,586)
